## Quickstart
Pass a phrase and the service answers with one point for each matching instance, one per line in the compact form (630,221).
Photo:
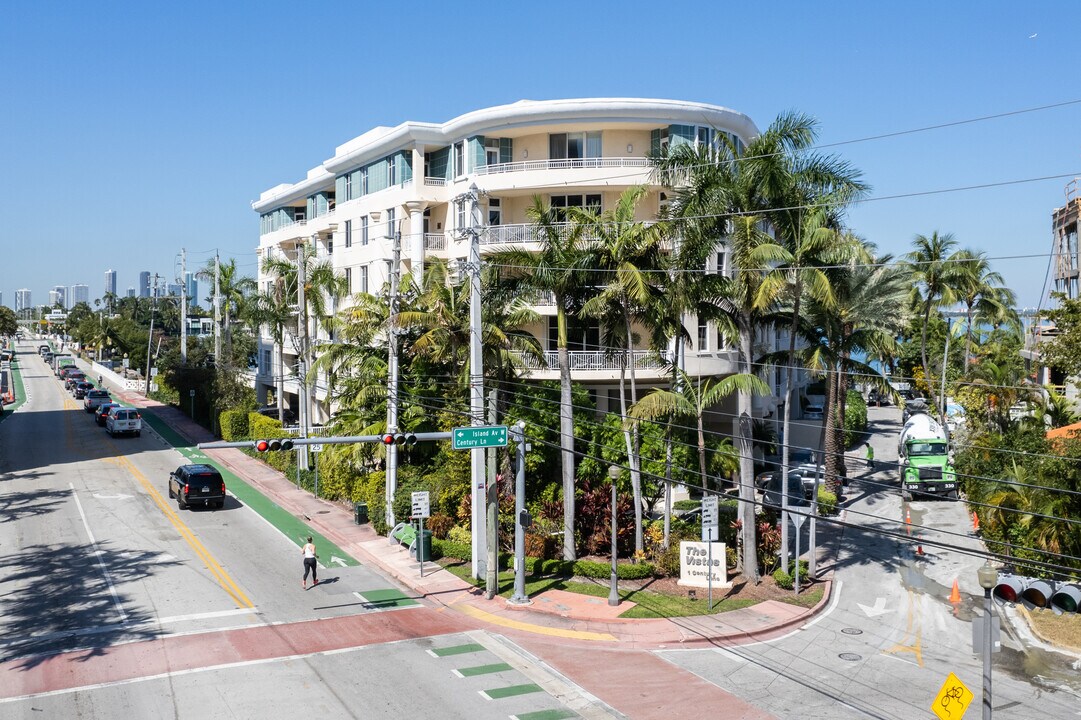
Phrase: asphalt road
(114,603)
(886,645)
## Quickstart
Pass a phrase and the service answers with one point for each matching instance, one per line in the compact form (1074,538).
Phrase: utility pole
(392,374)
(217,310)
(183,309)
(517,433)
(476,387)
(150,340)
(491,582)
(302,359)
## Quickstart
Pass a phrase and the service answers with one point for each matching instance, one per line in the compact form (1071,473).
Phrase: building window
(349,186)
(349,281)
(587,202)
(703,335)
(574,146)
(704,136)
(390,223)
(364,181)
(349,233)
(581,334)
(392,171)
(721,268)
(363,279)
(495,212)
(459,159)
(491,151)
(330,246)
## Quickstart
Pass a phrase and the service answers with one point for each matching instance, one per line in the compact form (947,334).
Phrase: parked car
(797,495)
(101,412)
(813,411)
(124,421)
(95,398)
(878,398)
(81,388)
(197,484)
(42,349)
(800,460)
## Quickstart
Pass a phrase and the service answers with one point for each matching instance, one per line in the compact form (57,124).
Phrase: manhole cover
(851,631)
(851,657)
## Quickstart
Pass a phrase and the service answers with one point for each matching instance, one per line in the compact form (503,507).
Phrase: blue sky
(130,130)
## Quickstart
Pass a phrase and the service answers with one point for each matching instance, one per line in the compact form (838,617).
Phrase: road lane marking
(226,582)
(97,557)
(527,627)
(912,632)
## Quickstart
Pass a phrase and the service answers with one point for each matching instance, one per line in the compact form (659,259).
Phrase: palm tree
(694,400)
(627,253)
(979,289)
(233,290)
(559,266)
(935,276)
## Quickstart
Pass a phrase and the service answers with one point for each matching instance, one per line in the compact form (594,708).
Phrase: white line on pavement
(97,557)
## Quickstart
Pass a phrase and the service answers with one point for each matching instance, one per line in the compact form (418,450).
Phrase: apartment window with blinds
(491,151)
(364,230)
(363,279)
(391,229)
(349,280)
(349,233)
(574,146)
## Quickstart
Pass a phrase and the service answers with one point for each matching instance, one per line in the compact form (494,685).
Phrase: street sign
(710,517)
(480,436)
(420,507)
(127,362)
(153,372)
(979,633)
(191,393)
(316,447)
(952,700)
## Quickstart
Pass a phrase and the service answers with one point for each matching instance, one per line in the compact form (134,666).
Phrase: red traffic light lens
(388,439)
(262,446)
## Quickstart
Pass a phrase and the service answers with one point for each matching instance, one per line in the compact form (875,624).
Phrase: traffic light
(273,444)
(408,439)
(1037,593)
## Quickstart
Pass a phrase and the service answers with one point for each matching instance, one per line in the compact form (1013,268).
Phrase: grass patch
(1060,630)
(806,598)
(649,604)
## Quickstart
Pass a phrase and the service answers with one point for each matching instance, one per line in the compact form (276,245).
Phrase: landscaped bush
(440,525)
(451,549)
(371,489)
(783,579)
(855,418)
(685,505)
(336,475)
(460,535)
(261,427)
(559,568)
(234,425)
(827,502)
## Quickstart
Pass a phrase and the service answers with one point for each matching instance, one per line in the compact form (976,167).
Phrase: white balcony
(435,241)
(435,181)
(597,360)
(564,164)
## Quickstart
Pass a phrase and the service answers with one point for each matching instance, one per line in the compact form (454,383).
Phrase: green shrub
(460,535)
(451,549)
(234,425)
(827,502)
(855,418)
(261,427)
(371,489)
(336,475)
(684,505)
(783,579)
(440,525)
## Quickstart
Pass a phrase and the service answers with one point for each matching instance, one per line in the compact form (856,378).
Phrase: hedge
(234,425)
(855,417)
(562,568)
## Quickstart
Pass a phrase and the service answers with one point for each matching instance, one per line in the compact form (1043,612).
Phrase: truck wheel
(171,496)
(180,504)
(953,495)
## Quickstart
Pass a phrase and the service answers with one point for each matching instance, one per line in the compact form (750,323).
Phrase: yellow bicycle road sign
(952,700)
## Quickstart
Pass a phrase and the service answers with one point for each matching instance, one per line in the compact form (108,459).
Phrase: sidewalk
(553,614)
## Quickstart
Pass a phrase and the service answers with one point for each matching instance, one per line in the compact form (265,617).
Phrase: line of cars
(189,484)
(114,417)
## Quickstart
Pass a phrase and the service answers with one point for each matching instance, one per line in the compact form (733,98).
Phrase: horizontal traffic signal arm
(346,440)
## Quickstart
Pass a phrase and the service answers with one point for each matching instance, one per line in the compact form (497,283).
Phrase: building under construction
(1064,243)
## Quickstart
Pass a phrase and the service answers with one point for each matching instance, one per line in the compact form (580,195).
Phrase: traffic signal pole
(392,375)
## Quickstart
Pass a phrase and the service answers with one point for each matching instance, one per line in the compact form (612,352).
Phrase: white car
(813,412)
(124,421)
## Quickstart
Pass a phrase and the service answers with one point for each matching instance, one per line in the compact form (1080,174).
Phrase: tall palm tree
(935,276)
(979,289)
(559,266)
(627,256)
(233,291)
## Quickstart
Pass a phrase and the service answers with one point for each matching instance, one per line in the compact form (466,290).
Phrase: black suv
(198,485)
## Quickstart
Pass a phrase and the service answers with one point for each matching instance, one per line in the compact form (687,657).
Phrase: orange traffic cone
(919,550)
(975,522)
(908,521)
(955,595)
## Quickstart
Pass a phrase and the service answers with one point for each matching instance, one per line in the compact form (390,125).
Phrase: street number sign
(420,506)
(316,447)
(952,700)
(479,436)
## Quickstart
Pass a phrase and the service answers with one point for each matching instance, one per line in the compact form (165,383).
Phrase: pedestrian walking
(870,457)
(308,551)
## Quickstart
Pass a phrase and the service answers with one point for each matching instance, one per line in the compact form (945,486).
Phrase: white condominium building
(572,153)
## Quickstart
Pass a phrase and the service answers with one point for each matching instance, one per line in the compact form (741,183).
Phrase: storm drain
(851,657)
(851,631)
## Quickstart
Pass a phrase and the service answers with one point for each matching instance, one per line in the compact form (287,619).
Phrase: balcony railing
(435,181)
(526,233)
(435,241)
(565,164)
(597,360)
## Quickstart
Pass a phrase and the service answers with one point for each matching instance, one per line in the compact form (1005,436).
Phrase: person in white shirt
(308,551)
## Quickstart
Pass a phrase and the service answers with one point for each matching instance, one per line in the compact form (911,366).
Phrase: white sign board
(695,566)
(420,507)
(127,362)
(316,447)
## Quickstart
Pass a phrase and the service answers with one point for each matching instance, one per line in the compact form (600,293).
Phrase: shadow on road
(55,598)
(18,505)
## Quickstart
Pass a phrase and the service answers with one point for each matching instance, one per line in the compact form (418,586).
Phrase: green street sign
(481,436)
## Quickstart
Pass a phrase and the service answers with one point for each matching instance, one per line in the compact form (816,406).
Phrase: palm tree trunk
(632,449)
(830,431)
(566,433)
(968,334)
(786,423)
(923,354)
(745,439)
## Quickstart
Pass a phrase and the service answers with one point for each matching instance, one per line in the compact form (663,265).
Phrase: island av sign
(480,436)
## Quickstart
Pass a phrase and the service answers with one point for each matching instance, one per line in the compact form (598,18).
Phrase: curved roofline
(519,114)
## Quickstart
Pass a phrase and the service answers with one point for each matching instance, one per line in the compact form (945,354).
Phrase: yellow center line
(212,565)
(913,632)
(528,627)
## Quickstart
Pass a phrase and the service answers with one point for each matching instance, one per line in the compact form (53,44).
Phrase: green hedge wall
(234,425)
(562,568)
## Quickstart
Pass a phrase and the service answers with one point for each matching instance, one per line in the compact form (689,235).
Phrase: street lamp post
(614,472)
(988,579)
